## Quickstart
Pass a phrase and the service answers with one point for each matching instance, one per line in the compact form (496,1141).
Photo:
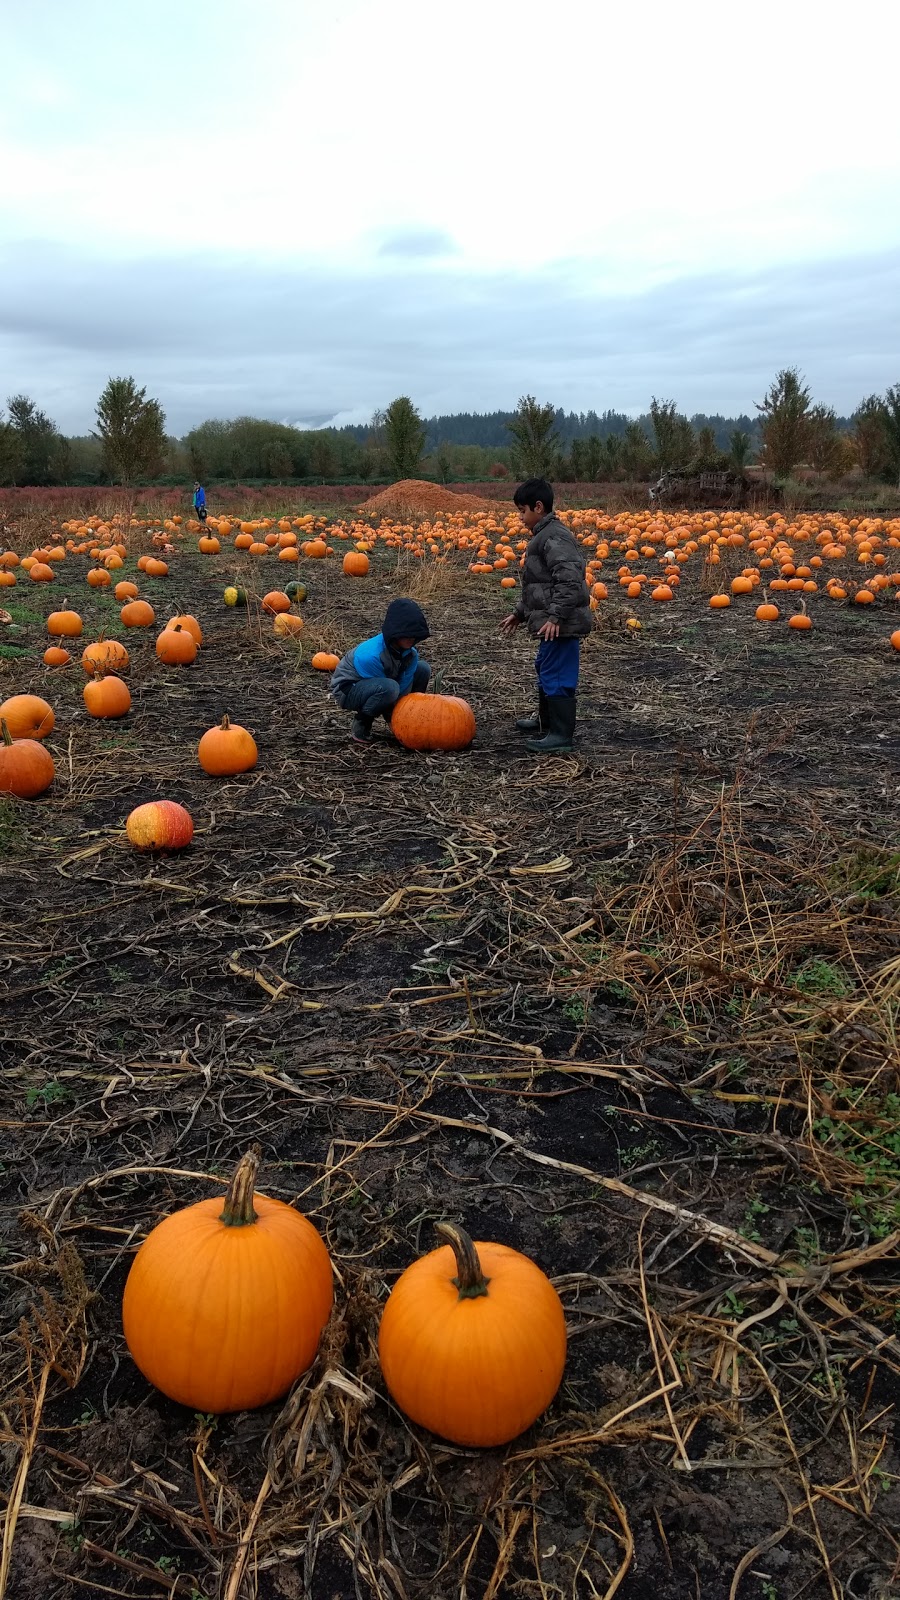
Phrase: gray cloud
(417,243)
(220,336)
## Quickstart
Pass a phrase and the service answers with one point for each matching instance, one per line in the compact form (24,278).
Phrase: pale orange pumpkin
(159,825)
(28,716)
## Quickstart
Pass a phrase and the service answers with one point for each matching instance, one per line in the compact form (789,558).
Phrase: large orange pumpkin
(64,624)
(176,646)
(28,716)
(226,1301)
(472,1342)
(356,564)
(26,768)
(433,722)
(106,696)
(226,750)
(138,614)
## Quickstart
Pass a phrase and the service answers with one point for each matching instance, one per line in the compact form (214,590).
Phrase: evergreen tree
(636,453)
(823,442)
(535,439)
(739,450)
(132,430)
(673,435)
(892,429)
(38,437)
(404,437)
(12,453)
(870,435)
(785,422)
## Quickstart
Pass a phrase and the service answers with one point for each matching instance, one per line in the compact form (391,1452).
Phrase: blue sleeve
(367,660)
(409,671)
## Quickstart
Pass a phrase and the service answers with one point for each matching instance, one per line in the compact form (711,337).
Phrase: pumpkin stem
(470,1280)
(238,1210)
(226,722)
(7,736)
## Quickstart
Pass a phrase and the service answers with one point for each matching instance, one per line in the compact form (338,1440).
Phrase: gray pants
(377,697)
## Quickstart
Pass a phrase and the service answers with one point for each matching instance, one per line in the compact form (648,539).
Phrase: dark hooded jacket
(554,587)
(379,656)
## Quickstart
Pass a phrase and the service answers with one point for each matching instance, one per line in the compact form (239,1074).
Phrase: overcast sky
(299,210)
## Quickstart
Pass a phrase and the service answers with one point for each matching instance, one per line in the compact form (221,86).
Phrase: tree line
(129,443)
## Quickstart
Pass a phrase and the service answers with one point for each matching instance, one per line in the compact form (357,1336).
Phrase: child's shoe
(560,725)
(361,731)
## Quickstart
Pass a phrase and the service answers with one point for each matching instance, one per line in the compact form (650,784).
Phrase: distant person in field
(371,678)
(555,606)
(200,502)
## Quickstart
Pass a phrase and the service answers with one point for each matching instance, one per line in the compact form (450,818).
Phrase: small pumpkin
(324,661)
(106,696)
(176,646)
(234,596)
(159,825)
(472,1342)
(227,749)
(155,568)
(767,612)
(719,602)
(661,592)
(433,722)
(800,620)
(285,625)
(64,625)
(208,545)
(105,655)
(138,614)
(99,578)
(296,592)
(126,590)
(355,564)
(226,1301)
(895,638)
(276,600)
(26,768)
(56,656)
(187,620)
(28,716)
(40,572)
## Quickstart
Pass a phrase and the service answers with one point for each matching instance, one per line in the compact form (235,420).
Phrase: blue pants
(377,697)
(556,664)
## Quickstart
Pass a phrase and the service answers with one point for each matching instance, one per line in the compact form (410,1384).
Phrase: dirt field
(633,1012)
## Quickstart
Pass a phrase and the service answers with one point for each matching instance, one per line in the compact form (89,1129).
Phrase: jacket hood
(404,620)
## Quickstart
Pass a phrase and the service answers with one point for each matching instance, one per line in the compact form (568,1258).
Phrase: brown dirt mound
(414,497)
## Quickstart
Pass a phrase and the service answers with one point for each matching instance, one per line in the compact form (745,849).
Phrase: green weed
(640,1153)
(871,1144)
(45,1094)
(12,652)
(822,978)
(731,1305)
(870,872)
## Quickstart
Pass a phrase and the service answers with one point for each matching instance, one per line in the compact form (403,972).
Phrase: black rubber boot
(538,722)
(361,731)
(562,711)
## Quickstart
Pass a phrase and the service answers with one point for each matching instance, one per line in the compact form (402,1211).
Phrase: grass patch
(822,978)
(11,652)
(869,1140)
(871,872)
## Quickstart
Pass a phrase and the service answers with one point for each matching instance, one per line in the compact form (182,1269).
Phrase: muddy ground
(593,1007)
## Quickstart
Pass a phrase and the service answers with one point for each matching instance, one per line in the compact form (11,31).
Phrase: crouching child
(372,677)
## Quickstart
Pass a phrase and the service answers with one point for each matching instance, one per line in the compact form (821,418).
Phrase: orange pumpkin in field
(472,1342)
(433,722)
(324,661)
(28,716)
(64,624)
(227,750)
(226,1299)
(275,601)
(106,696)
(355,564)
(105,655)
(138,614)
(126,590)
(55,656)
(26,768)
(159,825)
(176,646)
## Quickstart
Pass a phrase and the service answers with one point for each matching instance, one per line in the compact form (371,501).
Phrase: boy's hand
(510,623)
(549,630)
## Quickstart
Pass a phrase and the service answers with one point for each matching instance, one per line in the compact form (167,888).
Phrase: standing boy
(371,678)
(200,502)
(556,606)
